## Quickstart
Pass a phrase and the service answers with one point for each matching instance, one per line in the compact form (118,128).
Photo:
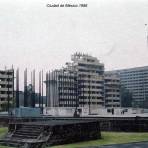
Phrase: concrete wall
(84,111)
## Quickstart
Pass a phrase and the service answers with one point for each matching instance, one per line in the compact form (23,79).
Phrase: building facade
(80,83)
(90,73)
(136,81)
(112,90)
(61,89)
(6,88)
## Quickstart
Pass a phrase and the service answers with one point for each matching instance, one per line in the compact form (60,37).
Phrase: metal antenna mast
(146,26)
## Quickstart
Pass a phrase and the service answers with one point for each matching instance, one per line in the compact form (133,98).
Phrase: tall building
(80,83)
(90,73)
(112,90)
(61,88)
(136,81)
(6,88)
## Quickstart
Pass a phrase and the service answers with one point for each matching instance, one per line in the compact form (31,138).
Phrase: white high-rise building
(80,83)
(90,73)
(112,90)
(136,81)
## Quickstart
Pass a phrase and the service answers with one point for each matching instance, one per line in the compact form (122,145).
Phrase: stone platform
(53,132)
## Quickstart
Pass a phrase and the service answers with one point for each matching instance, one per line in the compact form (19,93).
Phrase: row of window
(111,95)
(5,79)
(112,101)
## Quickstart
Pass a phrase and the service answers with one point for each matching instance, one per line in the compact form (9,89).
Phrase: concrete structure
(25,112)
(61,89)
(6,88)
(112,90)
(95,112)
(90,74)
(80,83)
(136,81)
(48,132)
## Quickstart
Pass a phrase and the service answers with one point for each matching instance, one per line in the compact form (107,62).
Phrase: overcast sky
(35,36)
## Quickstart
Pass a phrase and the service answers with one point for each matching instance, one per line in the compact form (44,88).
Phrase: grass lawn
(2,132)
(109,138)
(5,147)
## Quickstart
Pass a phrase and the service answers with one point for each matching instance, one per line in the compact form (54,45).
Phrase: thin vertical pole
(76,85)
(70,89)
(54,84)
(13,88)
(34,87)
(66,92)
(42,92)
(46,87)
(33,90)
(79,90)
(73,91)
(8,91)
(83,92)
(63,99)
(17,88)
(40,89)
(66,84)
(59,87)
(89,94)
(62,89)
(62,102)
(52,81)
(76,93)
(25,89)
(55,88)
(49,104)
(57,99)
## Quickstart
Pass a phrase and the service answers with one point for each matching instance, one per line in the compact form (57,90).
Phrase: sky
(38,37)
